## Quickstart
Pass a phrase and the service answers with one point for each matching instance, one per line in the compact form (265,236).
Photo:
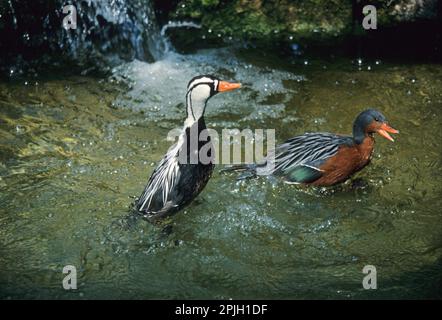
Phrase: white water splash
(158,89)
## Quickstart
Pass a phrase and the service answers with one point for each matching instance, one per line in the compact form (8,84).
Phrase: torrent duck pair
(319,159)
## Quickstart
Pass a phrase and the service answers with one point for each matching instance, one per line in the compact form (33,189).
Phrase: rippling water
(74,151)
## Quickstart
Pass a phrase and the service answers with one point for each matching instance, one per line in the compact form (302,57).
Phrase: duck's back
(177,181)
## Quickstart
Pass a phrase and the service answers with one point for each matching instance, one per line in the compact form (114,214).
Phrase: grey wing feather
(163,180)
(309,149)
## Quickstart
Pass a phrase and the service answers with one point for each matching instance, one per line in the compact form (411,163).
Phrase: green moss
(263,20)
(279,21)
(209,3)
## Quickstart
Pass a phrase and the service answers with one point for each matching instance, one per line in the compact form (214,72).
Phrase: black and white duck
(180,176)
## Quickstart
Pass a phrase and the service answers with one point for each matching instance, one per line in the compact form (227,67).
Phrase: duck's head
(202,88)
(369,122)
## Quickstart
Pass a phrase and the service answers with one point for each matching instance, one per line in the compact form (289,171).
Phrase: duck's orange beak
(227,86)
(384,129)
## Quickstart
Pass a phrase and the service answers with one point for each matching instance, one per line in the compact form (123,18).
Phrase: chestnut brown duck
(324,159)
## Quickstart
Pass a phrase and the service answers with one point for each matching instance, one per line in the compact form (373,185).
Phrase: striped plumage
(161,182)
(174,183)
(309,149)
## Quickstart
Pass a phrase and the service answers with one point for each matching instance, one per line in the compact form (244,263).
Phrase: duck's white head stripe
(202,80)
(200,92)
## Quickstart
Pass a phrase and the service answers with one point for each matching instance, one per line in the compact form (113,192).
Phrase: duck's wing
(299,158)
(156,194)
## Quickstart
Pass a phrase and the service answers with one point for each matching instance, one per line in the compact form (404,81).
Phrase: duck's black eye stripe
(191,109)
(189,99)
(208,83)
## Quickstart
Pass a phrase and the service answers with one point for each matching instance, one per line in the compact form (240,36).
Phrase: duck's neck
(195,118)
(195,110)
(359,134)
(365,149)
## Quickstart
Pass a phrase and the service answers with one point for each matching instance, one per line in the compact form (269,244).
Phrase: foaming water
(158,89)
(74,152)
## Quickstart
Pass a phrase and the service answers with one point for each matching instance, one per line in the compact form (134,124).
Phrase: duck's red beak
(227,86)
(385,129)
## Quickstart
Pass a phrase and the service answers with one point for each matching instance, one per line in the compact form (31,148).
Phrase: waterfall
(108,31)
(127,29)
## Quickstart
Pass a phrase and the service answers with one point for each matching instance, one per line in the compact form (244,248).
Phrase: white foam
(156,88)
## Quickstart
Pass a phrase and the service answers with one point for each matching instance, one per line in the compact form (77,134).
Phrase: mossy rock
(285,20)
(265,20)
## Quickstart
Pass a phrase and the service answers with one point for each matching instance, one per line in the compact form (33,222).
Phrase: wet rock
(107,31)
(267,20)
(289,21)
